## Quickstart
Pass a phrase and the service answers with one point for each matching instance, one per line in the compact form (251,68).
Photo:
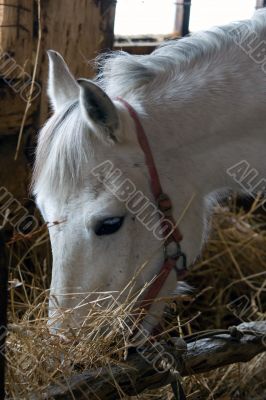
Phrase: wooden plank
(136,48)
(206,351)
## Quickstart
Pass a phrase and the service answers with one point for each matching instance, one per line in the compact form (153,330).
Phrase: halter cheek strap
(171,234)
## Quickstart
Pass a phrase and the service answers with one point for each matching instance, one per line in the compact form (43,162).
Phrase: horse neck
(196,137)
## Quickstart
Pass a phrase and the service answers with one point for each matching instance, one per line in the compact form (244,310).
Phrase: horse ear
(98,109)
(62,86)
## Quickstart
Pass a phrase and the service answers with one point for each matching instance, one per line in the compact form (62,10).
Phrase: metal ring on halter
(181,262)
(172,249)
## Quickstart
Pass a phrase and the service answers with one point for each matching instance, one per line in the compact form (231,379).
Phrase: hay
(233,266)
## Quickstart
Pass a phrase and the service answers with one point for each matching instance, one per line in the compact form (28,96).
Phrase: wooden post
(186,16)
(3,309)
(260,3)
(182,15)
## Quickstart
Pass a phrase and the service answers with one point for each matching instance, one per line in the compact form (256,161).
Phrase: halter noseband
(172,236)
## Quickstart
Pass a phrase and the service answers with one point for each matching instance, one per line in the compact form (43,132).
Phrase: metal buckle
(164,204)
(181,262)
(173,250)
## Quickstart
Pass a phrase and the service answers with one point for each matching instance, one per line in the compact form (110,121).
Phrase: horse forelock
(63,150)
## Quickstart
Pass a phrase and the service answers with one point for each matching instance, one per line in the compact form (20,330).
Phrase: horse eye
(109,226)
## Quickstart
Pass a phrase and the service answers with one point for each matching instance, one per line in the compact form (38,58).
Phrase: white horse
(202,103)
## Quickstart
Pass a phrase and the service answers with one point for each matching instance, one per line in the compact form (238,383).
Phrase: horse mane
(121,73)
(65,145)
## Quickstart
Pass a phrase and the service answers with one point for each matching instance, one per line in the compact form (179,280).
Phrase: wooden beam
(205,352)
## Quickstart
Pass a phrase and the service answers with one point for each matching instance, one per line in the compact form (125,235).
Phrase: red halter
(165,206)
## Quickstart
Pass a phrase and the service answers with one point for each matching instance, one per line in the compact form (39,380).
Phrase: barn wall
(79,30)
